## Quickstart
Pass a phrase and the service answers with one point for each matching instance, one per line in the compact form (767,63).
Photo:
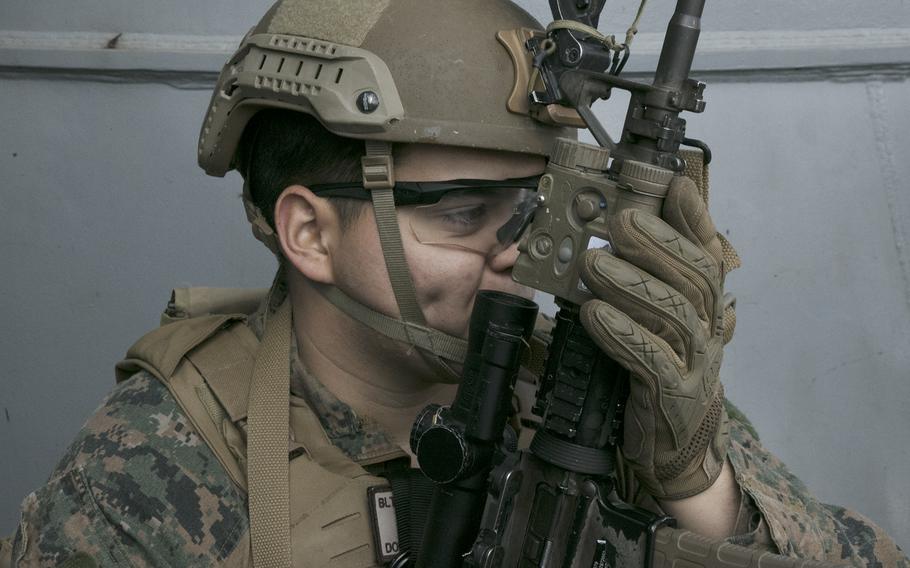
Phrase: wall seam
(717,50)
(203,80)
(875,91)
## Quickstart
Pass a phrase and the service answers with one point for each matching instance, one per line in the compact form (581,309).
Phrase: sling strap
(267,448)
(412,492)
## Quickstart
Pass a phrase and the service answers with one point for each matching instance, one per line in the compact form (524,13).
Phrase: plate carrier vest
(204,354)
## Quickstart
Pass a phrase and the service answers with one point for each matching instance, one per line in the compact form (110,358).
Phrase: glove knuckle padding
(663,318)
(651,244)
(649,358)
(656,306)
(685,210)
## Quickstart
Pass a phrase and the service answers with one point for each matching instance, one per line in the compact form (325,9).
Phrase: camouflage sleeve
(137,487)
(780,515)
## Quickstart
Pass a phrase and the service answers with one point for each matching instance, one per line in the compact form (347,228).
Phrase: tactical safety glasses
(484,216)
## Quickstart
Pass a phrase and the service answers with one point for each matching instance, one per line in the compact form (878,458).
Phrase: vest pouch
(330,523)
(330,516)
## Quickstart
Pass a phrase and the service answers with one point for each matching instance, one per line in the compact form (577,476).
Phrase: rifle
(554,505)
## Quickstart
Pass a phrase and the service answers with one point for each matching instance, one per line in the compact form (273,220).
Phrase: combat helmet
(384,71)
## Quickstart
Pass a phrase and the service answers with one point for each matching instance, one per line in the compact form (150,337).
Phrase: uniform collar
(359,436)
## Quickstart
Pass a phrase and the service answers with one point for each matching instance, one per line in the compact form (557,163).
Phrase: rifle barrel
(679,44)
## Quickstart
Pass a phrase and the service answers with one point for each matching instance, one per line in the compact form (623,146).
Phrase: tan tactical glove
(660,314)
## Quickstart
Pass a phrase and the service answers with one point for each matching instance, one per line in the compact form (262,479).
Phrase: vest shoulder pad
(206,364)
(220,347)
(160,350)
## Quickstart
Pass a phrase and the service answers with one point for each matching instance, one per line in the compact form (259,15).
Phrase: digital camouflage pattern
(359,437)
(139,487)
(798,523)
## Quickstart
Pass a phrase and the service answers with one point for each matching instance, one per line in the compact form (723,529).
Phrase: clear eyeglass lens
(472,218)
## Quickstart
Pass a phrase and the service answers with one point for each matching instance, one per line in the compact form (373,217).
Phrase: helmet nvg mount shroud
(410,71)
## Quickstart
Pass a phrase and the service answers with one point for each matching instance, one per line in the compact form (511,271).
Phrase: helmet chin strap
(437,348)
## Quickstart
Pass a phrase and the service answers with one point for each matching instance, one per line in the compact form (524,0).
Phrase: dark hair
(283,147)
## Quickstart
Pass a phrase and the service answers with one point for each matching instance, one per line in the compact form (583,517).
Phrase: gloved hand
(660,314)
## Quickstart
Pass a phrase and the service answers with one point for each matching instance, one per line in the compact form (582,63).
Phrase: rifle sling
(412,492)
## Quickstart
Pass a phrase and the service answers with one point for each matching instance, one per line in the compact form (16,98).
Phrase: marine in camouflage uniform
(140,487)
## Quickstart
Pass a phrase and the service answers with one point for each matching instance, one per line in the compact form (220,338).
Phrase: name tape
(383,523)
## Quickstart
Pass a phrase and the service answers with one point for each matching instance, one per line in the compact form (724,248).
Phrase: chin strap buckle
(377,166)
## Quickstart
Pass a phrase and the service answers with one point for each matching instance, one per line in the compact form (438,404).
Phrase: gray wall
(103,211)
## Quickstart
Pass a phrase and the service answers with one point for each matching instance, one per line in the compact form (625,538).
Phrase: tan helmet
(448,72)
(429,71)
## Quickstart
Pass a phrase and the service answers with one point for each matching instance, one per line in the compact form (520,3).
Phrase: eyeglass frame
(422,192)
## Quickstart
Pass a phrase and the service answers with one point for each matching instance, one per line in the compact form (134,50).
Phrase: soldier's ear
(307,226)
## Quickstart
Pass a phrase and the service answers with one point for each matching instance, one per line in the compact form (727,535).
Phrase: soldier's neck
(374,375)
